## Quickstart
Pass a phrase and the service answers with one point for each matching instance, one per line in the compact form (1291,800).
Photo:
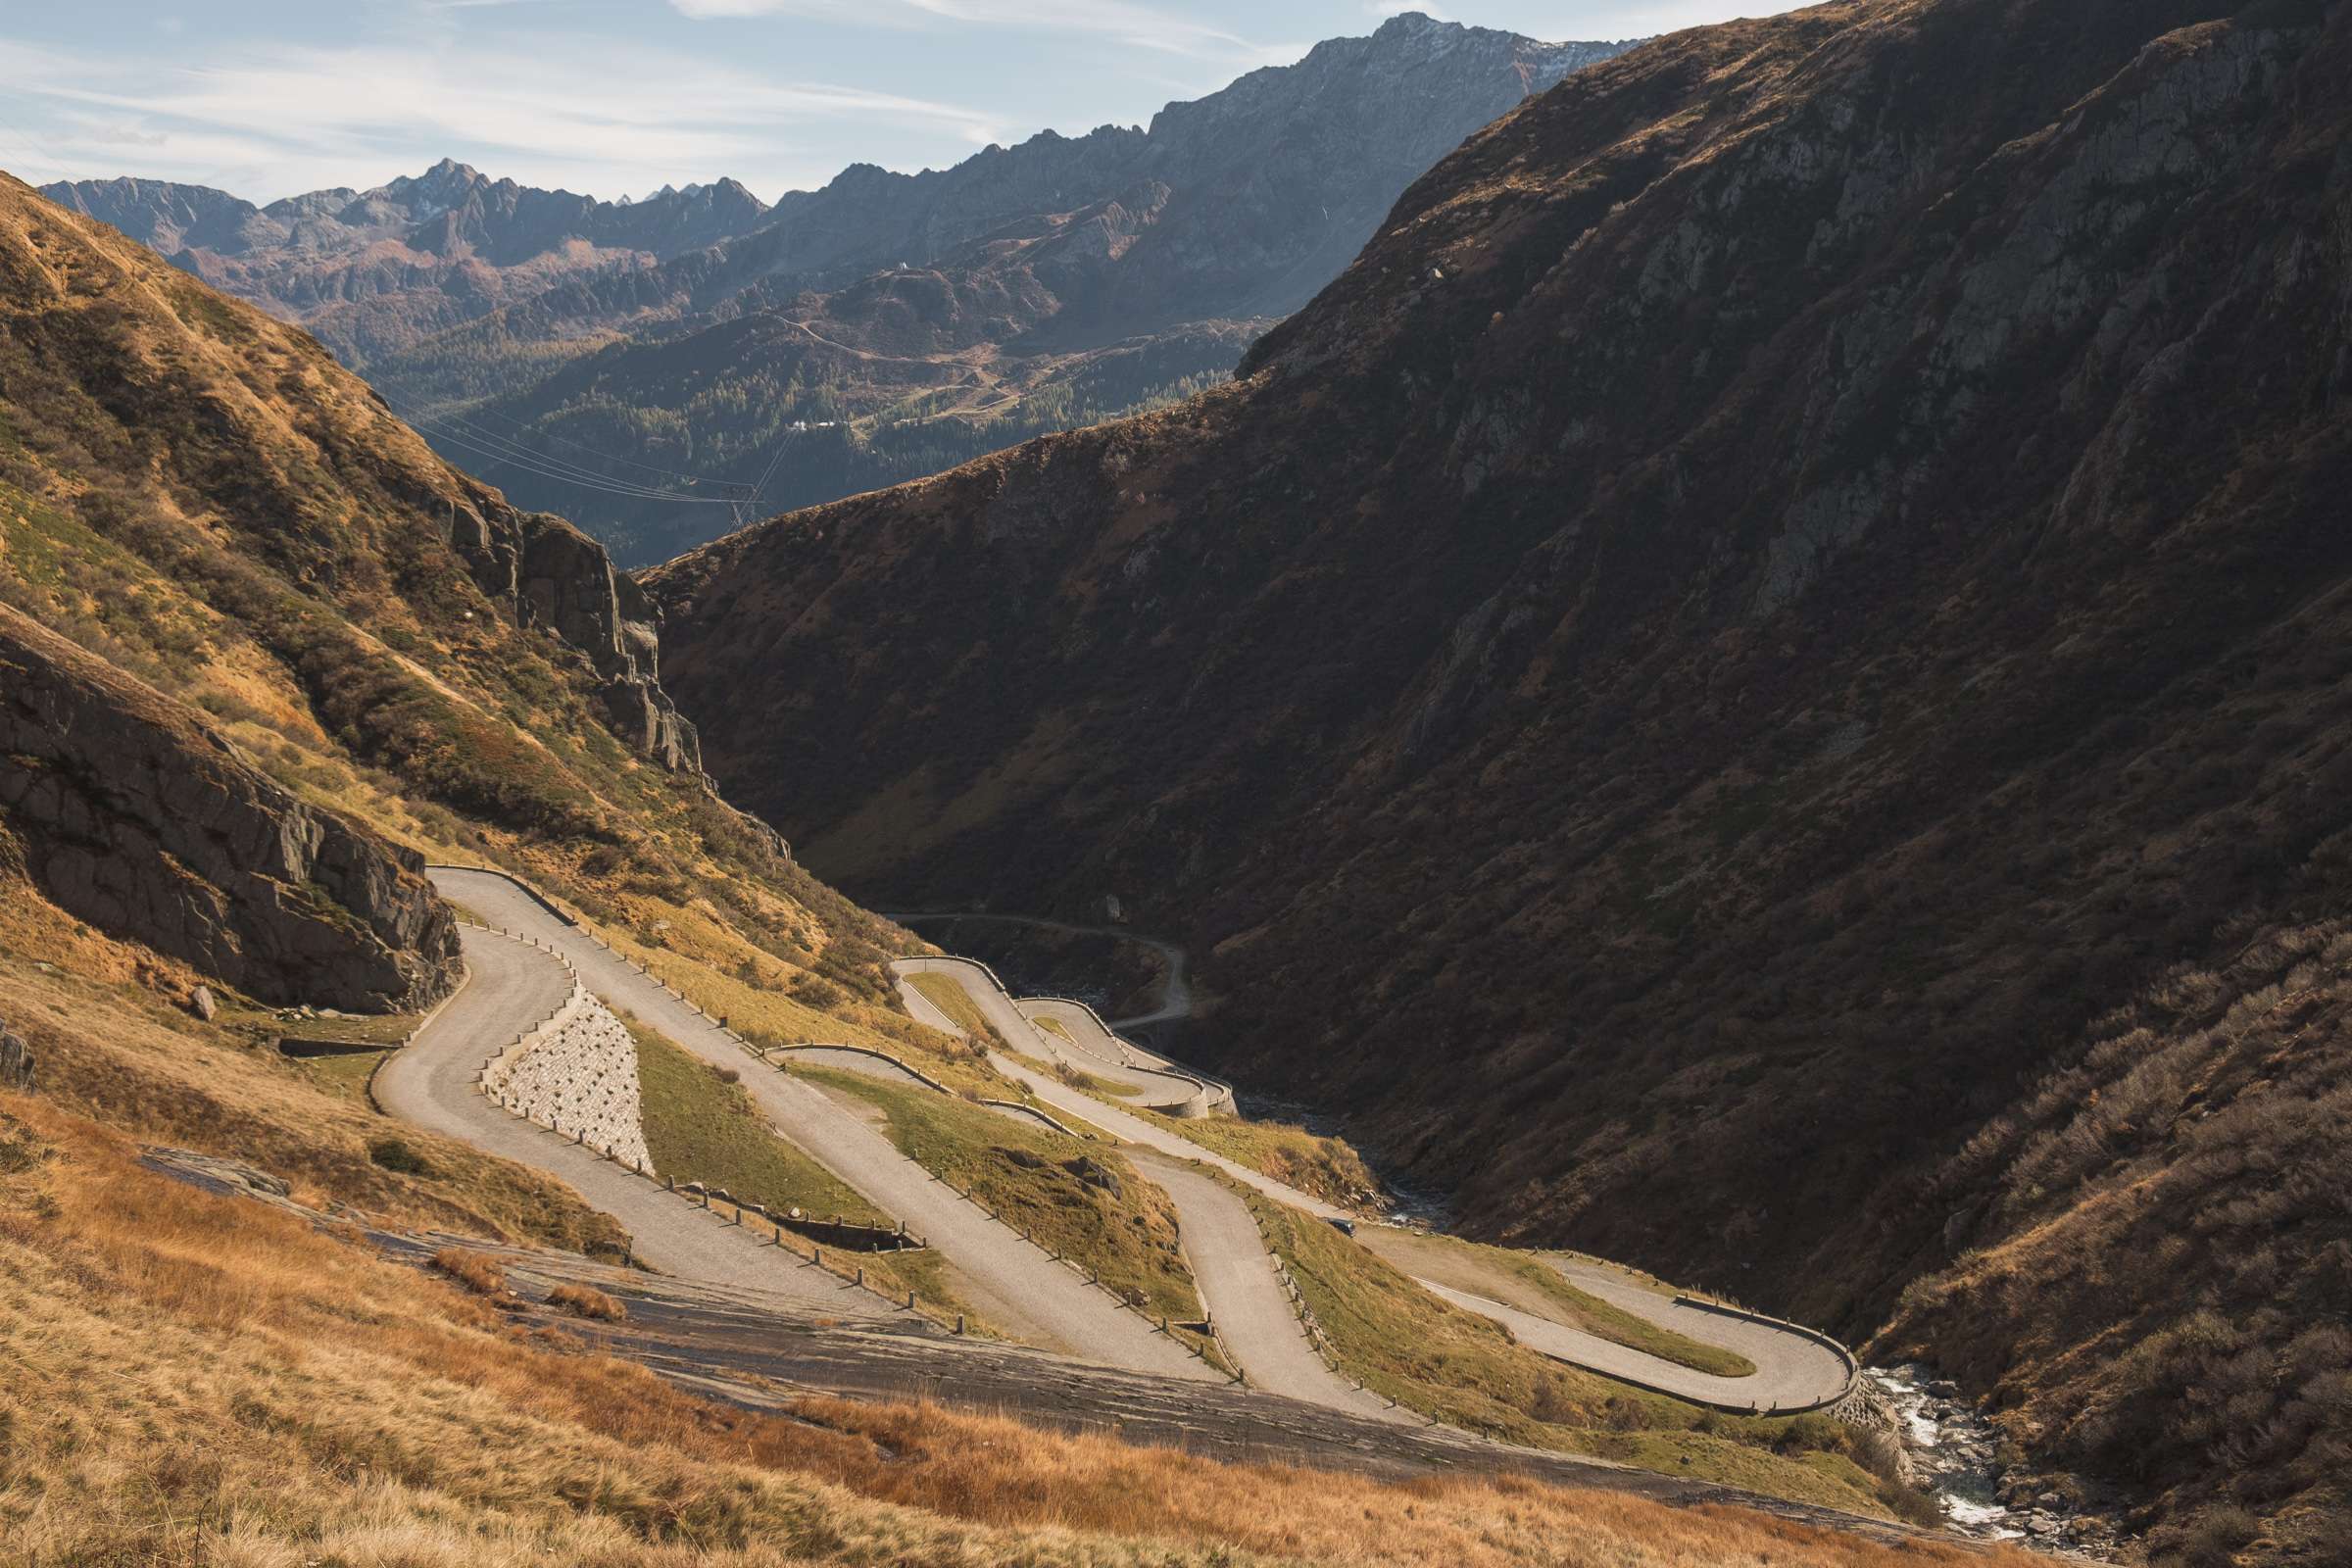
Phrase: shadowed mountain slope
(212,517)
(1799,571)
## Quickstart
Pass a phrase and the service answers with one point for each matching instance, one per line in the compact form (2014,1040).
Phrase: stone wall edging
(497,1076)
(501,1064)
(852,1274)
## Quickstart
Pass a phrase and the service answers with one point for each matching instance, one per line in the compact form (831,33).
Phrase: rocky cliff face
(1796,571)
(232,454)
(135,817)
(553,575)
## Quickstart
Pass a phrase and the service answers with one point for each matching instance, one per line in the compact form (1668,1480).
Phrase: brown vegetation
(2167,1238)
(280,1389)
(473,1271)
(586,1300)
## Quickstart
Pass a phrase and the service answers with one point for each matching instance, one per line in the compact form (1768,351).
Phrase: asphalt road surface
(1013,1283)
(509,987)
(1794,1371)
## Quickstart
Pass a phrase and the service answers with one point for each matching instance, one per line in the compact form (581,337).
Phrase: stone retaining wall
(577,1073)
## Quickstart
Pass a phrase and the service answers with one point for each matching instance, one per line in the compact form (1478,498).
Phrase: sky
(269,98)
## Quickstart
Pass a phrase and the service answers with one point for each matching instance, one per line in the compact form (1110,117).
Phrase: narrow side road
(1230,1262)
(1245,1295)
(1085,1044)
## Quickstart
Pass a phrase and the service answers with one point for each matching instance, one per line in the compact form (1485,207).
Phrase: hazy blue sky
(268,98)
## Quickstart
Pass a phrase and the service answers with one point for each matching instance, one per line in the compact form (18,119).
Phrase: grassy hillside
(201,495)
(278,1394)
(198,496)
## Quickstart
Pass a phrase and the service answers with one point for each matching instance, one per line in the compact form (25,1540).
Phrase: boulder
(138,818)
(1095,1174)
(202,1005)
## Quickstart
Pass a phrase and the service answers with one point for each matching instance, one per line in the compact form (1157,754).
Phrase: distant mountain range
(589,356)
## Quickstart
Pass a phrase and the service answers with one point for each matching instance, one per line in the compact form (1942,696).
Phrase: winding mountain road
(1231,1266)
(1006,1279)
(1793,1370)
(1236,1277)
(510,986)
(1075,1035)
(1007,1019)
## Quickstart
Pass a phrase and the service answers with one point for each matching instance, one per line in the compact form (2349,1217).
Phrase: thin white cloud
(1126,21)
(598,119)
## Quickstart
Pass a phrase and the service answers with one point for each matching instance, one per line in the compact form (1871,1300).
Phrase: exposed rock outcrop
(15,1062)
(139,818)
(553,575)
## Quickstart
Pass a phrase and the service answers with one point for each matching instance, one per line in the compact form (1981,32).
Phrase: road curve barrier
(1846,1357)
(525,888)
(850,1273)
(1215,1094)
(1205,1100)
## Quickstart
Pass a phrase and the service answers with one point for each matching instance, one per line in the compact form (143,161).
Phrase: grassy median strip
(1518,1280)
(1086,1083)
(1079,1200)
(1407,1344)
(948,995)
(1328,1168)
(702,1126)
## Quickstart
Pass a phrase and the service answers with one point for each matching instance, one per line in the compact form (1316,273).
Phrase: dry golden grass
(586,1300)
(114,1042)
(472,1270)
(203,1379)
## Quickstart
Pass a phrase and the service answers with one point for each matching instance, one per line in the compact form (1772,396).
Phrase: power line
(582,480)
(487,444)
(522,454)
(549,435)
